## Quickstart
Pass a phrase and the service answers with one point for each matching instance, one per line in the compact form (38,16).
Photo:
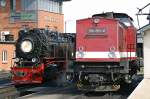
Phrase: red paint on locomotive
(27,75)
(105,52)
(109,35)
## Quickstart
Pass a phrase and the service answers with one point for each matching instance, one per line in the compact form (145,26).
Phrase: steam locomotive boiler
(105,52)
(41,54)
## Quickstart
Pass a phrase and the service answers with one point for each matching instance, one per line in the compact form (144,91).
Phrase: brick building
(15,14)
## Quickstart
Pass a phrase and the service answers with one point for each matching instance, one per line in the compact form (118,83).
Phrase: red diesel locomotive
(41,54)
(105,52)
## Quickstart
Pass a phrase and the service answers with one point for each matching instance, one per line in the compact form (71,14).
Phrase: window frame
(13,5)
(50,6)
(4,56)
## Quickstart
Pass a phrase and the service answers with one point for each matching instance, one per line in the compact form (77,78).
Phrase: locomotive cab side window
(126,21)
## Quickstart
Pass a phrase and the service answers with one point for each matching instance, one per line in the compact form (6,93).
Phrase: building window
(4,56)
(50,6)
(13,5)
(60,7)
(6,36)
(29,5)
(3,3)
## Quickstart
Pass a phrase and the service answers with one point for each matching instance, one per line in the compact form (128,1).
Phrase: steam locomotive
(105,52)
(41,54)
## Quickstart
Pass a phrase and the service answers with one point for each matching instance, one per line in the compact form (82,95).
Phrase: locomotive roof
(112,15)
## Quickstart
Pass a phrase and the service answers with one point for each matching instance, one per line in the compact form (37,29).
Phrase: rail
(8,91)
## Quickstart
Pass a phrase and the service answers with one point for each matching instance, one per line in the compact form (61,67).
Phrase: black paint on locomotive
(45,43)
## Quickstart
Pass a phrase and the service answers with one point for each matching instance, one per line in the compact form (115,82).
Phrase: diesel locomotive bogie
(97,76)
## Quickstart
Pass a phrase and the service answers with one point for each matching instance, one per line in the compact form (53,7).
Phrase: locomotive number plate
(96,30)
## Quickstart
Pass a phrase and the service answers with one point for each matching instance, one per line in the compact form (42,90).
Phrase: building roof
(140,33)
(142,29)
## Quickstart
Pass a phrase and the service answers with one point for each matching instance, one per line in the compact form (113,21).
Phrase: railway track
(102,95)
(66,93)
(46,91)
(8,91)
(73,93)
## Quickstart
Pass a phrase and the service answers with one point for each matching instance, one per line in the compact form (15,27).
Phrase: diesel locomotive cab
(41,54)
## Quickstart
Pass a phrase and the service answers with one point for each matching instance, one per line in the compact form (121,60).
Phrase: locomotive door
(131,43)
(122,43)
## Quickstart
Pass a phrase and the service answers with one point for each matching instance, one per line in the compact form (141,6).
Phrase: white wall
(147,54)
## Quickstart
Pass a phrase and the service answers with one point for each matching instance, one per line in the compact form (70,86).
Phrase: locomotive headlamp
(26,46)
(17,60)
(86,77)
(112,49)
(69,77)
(82,66)
(34,60)
(112,54)
(96,20)
(80,52)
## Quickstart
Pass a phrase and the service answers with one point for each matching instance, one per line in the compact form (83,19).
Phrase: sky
(79,9)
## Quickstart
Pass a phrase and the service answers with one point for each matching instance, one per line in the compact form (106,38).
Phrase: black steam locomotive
(41,54)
